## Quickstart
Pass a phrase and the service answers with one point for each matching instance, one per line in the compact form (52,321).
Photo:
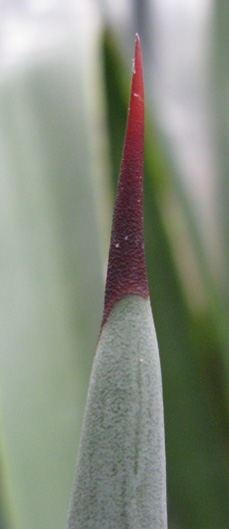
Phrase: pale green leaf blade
(120,477)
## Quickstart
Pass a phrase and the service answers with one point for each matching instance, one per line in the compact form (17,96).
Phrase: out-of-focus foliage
(51,267)
(54,210)
(220,101)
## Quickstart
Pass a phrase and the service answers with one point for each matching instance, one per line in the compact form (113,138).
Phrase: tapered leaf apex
(126,272)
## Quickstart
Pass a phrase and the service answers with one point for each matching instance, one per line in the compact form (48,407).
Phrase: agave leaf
(120,475)
(195,436)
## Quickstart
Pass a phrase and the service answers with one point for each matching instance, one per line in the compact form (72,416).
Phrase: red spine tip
(126,272)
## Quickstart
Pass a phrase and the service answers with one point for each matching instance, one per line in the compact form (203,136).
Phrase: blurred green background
(64,88)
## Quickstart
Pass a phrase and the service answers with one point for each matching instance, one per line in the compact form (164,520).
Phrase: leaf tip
(126,272)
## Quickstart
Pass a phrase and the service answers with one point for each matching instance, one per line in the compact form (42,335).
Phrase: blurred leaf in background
(52,136)
(63,98)
(220,88)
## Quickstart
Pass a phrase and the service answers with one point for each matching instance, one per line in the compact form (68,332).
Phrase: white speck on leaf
(133,67)
(138,95)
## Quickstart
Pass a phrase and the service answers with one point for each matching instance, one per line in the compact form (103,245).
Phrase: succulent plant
(120,479)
